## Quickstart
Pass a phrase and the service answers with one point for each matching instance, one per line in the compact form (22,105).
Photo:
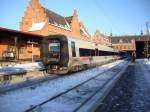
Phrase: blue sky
(122,17)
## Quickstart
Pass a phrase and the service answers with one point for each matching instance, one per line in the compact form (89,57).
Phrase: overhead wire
(109,20)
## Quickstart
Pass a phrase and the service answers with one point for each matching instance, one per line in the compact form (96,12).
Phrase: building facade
(130,43)
(100,38)
(39,20)
(16,45)
(123,43)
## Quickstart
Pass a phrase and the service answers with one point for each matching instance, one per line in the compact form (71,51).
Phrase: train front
(54,53)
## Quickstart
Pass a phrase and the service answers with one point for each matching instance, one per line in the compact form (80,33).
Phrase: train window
(73,49)
(84,52)
(92,52)
(103,53)
(96,52)
(100,53)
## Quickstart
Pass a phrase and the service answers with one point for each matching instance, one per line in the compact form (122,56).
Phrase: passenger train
(62,54)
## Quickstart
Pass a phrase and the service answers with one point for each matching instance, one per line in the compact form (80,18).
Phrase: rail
(95,79)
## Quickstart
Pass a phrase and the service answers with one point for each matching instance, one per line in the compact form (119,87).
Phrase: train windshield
(54,47)
(54,50)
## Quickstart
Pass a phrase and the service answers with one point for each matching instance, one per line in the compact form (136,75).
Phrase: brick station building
(123,43)
(130,43)
(17,45)
(38,21)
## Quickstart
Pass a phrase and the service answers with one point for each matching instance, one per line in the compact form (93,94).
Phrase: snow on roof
(37,26)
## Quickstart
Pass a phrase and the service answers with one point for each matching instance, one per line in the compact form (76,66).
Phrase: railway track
(75,97)
(7,86)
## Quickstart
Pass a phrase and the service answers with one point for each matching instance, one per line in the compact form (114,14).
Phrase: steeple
(75,13)
(111,34)
(97,32)
(35,1)
(141,32)
(75,26)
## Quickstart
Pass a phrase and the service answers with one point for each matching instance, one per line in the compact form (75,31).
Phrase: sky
(121,17)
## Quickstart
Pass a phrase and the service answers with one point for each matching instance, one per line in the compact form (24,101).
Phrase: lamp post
(32,48)
(147,40)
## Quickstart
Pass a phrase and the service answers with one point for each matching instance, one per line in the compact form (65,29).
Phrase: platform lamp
(32,48)
(148,34)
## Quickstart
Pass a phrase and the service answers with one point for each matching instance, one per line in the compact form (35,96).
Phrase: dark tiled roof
(127,39)
(55,18)
(69,19)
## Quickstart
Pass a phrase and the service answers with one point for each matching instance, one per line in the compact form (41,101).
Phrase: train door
(73,49)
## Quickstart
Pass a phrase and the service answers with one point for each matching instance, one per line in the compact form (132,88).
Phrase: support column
(32,48)
(16,41)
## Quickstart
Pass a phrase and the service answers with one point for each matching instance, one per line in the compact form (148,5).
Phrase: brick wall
(35,12)
(99,38)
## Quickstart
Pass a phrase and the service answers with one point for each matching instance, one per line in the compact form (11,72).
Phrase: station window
(11,48)
(21,50)
(73,49)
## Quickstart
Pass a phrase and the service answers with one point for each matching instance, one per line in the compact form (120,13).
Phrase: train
(62,54)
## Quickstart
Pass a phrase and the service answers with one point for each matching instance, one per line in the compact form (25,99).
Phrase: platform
(132,92)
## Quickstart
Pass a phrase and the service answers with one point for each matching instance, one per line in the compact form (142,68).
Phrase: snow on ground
(76,97)
(147,61)
(145,69)
(22,99)
(21,68)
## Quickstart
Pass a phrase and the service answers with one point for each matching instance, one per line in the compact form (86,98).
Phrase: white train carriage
(62,54)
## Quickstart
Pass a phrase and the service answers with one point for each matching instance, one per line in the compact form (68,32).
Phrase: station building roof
(57,19)
(127,38)
(10,33)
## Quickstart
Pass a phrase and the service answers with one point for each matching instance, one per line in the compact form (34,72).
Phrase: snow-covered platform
(20,68)
(14,74)
(86,87)
(132,92)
